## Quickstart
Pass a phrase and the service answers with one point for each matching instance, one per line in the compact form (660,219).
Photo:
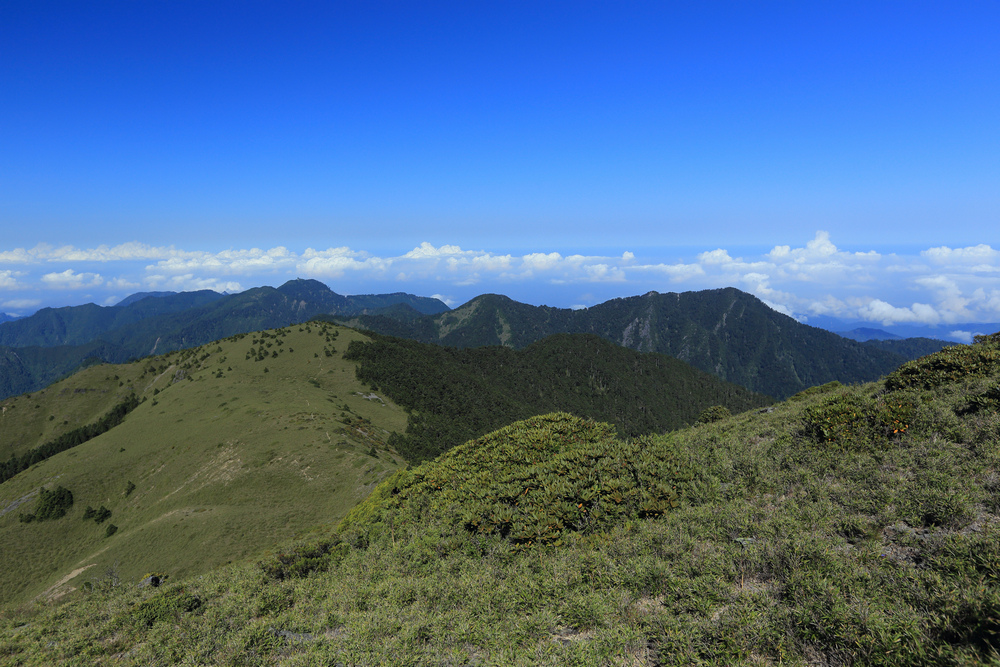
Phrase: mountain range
(726,332)
(36,350)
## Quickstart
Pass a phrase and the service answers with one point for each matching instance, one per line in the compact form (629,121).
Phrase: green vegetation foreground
(848,525)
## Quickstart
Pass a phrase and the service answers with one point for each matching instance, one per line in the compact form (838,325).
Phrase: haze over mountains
(725,332)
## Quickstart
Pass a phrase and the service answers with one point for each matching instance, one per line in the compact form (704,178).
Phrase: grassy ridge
(229,452)
(30,420)
(37,350)
(850,525)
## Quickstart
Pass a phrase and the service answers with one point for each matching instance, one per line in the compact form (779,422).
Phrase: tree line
(68,440)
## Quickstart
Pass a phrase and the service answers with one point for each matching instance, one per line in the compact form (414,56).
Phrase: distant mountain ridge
(148,325)
(139,296)
(910,348)
(863,334)
(726,332)
(75,325)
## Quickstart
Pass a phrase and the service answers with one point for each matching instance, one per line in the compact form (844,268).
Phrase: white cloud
(962,336)
(70,279)
(979,258)
(448,301)
(44,252)
(190,282)
(426,251)
(122,283)
(604,273)
(942,284)
(676,273)
(879,311)
(8,279)
(335,262)
(21,304)
(15,256)
(717,256)
(538,261)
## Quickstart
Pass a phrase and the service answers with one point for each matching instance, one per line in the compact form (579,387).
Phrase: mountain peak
(302,286)
(139,296)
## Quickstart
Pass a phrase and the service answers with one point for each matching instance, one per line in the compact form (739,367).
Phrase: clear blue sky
(445,148)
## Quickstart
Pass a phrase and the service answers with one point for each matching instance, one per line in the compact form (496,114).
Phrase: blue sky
(835,159)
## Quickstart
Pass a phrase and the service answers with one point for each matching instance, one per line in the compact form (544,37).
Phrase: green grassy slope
(28,420)
(226,458)
(850,525)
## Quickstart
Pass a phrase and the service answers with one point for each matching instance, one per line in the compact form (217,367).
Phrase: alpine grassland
(231,447)
(847,525)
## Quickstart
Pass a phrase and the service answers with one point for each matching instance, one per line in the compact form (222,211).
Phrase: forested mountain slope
(76,325)
(725,332)
(911,348)
(457,394)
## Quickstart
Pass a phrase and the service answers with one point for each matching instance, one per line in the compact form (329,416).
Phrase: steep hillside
(236,445)
(725,332)
(158,324)
(850,525)
(456,394)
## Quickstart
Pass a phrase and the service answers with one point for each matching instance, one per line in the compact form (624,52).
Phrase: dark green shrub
(165,605)
(112,529)
(69,439)
(52,504)
(537,481)
(304,559)
(813,391)
(102,515)
(273,600)
(852,421)
(987,400)
(714,414)
(949,365)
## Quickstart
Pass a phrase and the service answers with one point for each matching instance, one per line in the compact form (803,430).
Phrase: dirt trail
(56,590)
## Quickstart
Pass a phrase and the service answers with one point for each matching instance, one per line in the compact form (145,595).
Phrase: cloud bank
(936,286)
